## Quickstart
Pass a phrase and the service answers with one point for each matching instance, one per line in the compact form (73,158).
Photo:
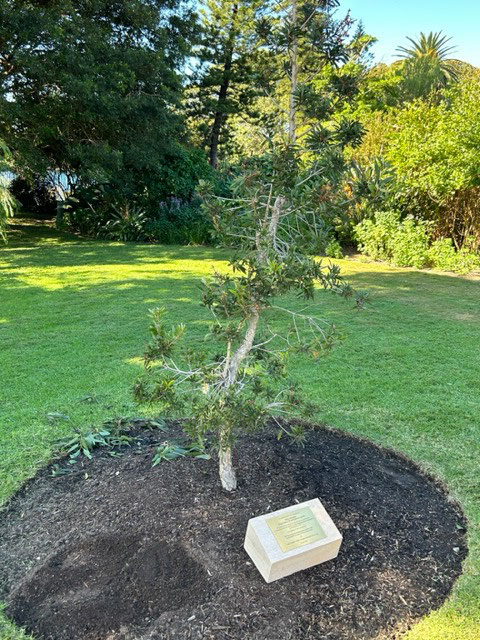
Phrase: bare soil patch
(119,550)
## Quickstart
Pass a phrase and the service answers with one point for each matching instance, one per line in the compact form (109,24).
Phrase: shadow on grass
(424,293)
(29,238)
(156,274)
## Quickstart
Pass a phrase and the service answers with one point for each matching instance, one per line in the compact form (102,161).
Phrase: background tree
(424,71)
(429,56)
(221,85)
(416,169)
(434,152)
(92,90)
(277,114)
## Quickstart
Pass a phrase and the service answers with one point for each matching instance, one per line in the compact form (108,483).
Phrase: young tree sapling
(273,222)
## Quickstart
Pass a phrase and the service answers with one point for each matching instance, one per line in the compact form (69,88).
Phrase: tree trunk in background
(292,125)
(220,115)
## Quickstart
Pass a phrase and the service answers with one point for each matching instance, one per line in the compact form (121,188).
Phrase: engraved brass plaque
(296,529)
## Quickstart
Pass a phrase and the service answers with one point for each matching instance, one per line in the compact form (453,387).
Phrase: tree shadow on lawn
(405,297)
(423,292)
(27,245)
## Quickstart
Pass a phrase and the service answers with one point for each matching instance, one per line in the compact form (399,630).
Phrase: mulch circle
(118,550)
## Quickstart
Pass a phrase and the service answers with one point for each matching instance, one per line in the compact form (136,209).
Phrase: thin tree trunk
(292,124)
(226,470)
(220,115)
(228,477)
(243,350)
(217,124)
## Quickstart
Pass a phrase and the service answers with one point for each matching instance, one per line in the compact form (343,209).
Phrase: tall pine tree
(222,83)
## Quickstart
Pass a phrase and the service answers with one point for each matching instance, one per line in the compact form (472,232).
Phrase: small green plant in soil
(171,450)
(114,435)
(84,442)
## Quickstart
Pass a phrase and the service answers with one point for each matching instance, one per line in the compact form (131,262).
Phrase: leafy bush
(443,255)
(432,145)
(179,223)
(179,176)
(7,206)
(334,249)
(410,244)
(95,212)
(375,237)
(127,223)
(387,237)
(86,211)
(8,203)
(434,149)
(407,243)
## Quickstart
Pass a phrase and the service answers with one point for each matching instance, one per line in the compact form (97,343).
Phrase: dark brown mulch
(120,550)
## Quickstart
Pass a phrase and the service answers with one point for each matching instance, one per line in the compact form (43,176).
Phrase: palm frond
(433,45)
(431,52)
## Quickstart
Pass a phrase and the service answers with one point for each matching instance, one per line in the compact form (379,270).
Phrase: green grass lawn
(73,320)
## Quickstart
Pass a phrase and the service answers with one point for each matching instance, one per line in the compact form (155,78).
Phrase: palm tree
(430,52)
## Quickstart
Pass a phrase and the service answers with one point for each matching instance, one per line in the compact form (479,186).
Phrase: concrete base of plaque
(292,539)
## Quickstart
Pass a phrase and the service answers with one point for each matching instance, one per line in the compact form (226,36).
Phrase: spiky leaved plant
(430,54)
(243,386)
(274,221)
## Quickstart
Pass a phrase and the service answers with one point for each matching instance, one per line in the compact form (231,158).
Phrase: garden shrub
(434,149)
(444,256)
(408,243)
(84,221)
(432,146)
(375,237)
(179,176)
(334,249)
(95,213)
(86,211)
(127,223)
(8,203)
(179,222)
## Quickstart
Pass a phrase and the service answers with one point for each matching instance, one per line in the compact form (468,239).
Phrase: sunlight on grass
(73,323)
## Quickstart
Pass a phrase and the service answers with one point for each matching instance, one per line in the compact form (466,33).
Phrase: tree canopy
(92,89)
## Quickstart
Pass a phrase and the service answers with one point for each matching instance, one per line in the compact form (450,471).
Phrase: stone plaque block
(292,539)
